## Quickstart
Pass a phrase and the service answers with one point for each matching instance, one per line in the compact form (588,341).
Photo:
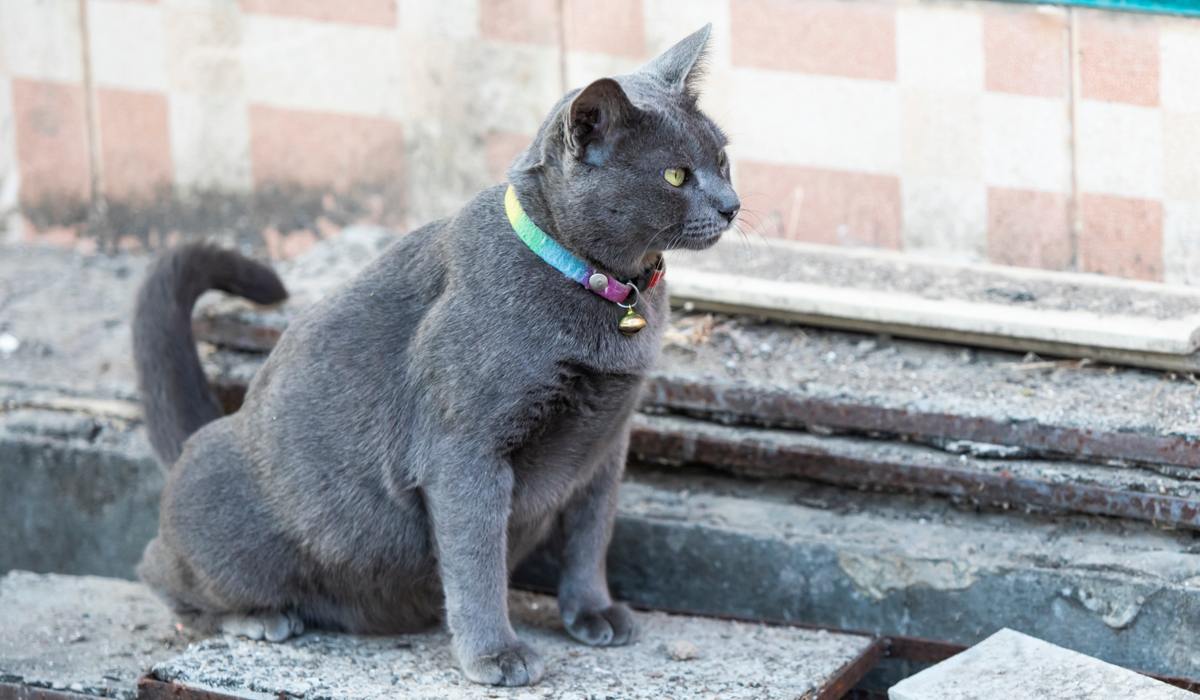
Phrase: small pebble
(682,650)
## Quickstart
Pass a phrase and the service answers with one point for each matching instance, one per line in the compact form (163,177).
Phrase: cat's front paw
(516,664)
(612,626)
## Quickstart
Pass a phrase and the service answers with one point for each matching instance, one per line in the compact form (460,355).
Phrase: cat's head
(629,166)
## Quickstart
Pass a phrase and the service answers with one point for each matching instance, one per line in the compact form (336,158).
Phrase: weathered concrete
(80,487)
(96,636)
(910,566)
(1009,664)
(889,564)
(1019,482)
(783,376)
(725,660)
(88,635)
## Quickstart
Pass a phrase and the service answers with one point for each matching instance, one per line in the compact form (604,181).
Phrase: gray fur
(418,432)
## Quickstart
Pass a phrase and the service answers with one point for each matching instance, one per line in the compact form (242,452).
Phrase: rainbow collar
(566,262)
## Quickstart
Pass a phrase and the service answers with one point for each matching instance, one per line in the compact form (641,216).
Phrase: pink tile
(135,147)
(1121,236)
(829,37)
(820,206)
(527,21)
(372,12)
(612,27)
(52,142)
(1118,58)
(324,150)
(1025,51)
(1029,228)
(500,148)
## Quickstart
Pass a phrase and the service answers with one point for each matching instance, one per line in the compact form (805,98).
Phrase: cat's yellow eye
(675,176)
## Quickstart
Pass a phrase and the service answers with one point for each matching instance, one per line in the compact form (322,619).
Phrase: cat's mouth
(699,237)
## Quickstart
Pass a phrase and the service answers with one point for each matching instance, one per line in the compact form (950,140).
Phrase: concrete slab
(778,375)
(900,565)
(1009,664)
(96,636)
(80,487)
(81,634)
(725,659)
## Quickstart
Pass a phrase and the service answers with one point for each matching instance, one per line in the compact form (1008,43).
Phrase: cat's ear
(596,114)
(682,65)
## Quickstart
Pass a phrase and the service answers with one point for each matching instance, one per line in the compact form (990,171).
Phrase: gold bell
(631,322)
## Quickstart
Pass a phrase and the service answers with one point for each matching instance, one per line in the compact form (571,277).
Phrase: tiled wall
(978,130)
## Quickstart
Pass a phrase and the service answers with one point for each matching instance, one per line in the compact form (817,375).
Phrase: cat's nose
(730,211)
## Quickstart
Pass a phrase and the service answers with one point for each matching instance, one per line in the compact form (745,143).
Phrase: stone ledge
(95,637)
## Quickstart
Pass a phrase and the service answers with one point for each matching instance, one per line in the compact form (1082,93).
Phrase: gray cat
(418,432)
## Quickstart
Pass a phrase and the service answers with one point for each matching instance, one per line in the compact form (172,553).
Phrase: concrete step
(778,375)
(987,473)
(1009,482)
(904,566)
(1009,664)
(103,637)
(888,564)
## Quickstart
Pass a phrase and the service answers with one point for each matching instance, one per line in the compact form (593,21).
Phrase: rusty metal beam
(897,466)
(150,688)
(787,409)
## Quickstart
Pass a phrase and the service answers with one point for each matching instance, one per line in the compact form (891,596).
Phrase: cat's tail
(176,398)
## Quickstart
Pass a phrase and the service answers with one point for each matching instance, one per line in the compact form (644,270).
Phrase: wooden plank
(1068,314)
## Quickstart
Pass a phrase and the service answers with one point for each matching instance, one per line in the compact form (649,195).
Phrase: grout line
(91,113)
(1073,98)
(561,7)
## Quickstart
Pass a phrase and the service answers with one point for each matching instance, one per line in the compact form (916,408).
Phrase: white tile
(821,121)
(940,47)
(941,134)
(1026,142)
(127,47)
(454,19)
(1180,44)
(945,217)
(210,142)
(1119,149)
(300,64)
(473,87)
(584,66)
(668,21)
(1181,242)
(1181,155)
(41,39)
(205,41)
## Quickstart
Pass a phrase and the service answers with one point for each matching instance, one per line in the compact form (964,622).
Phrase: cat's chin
(698,242)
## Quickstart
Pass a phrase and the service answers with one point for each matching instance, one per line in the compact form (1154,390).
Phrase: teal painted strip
(1189,8)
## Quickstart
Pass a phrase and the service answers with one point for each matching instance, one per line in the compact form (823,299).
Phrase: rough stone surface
(89,635)
(899,565)
(732,660)
(80,488)
(1009,664)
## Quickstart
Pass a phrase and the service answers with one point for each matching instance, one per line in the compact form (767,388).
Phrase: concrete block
(1009,664)
(81,634)
(95,636)
(728,660)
